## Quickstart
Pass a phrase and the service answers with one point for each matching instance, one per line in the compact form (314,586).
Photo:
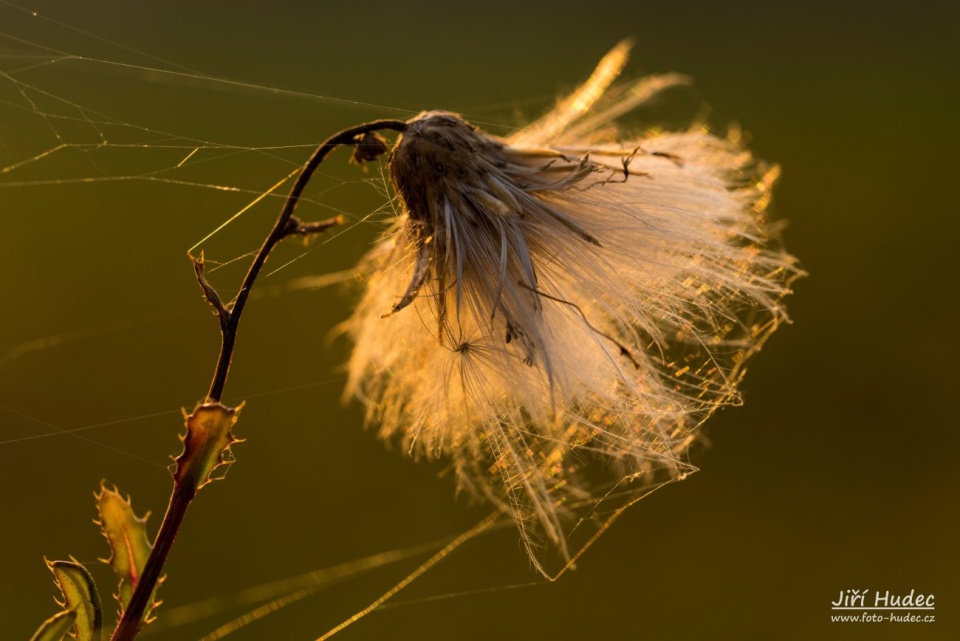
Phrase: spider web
(73,118)
(83,117)
(60,141)
(87,117)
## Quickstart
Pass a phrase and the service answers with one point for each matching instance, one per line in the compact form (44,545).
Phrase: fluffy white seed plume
(557,312)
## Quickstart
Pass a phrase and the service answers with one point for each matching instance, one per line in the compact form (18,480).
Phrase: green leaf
(56,627)
(206,444)
(79,596)
(130,547)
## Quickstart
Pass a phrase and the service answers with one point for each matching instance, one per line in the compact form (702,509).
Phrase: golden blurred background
(835,474)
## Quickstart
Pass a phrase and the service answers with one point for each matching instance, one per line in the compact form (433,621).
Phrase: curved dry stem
(229,317)
(286,225)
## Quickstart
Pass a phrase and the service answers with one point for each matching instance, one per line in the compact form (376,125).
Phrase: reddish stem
(182,495)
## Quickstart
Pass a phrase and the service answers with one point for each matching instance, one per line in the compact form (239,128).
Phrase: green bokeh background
(837,473)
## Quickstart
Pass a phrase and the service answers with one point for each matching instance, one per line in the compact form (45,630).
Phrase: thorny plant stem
(229,317)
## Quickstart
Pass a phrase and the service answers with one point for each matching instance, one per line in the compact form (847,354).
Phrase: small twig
(297,228)
(199,267)
(367,147)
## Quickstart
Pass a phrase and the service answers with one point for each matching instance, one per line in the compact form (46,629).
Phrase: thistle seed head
(558,311)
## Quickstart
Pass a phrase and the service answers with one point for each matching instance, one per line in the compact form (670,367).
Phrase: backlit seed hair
(557,312)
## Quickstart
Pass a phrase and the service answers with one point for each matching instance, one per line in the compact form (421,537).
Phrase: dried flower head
(558,311)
